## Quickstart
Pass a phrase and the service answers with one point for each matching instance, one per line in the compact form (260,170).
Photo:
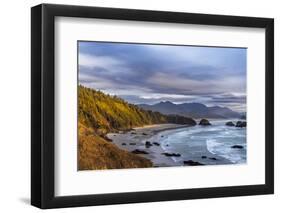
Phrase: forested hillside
(99,114)
(106,113)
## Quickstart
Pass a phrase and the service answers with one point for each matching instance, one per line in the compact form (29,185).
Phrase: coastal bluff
(100,114)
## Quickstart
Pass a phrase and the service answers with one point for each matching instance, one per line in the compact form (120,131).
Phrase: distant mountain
(194,110)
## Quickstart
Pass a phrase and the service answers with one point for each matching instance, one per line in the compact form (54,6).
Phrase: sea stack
(229,123)
(204,122)
(241,124)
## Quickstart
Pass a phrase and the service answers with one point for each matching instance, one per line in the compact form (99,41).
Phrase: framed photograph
(139,106)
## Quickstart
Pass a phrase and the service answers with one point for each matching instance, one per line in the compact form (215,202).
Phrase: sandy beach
(138,138)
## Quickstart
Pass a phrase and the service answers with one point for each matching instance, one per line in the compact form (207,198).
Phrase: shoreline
(136,139)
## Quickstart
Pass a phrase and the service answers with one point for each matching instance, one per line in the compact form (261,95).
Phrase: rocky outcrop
(171,154)
(148,144)
(237,147)
(229,123)
(192,163)
(241,124)
(238,123)
(204,122)
(212,158)
(137,151)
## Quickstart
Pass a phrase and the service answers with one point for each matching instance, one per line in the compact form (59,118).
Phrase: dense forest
(106,113)
(98,114)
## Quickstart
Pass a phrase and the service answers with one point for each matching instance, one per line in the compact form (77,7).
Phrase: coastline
(136,139)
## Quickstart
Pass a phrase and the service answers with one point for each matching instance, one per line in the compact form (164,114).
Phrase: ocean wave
(212,144)
(224,150)
(217,140)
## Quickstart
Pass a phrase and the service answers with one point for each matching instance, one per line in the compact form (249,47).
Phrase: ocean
(198,143)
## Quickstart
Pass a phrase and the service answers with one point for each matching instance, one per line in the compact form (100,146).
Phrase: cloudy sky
(141,73)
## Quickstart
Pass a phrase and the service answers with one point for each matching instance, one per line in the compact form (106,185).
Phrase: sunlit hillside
(100,114)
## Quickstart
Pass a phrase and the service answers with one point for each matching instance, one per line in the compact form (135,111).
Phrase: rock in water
(204,122)
(213,158)
(241,124)
(229,123)
(237,147)
(192,163)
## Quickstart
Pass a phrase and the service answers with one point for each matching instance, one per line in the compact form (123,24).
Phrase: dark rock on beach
(192,163)
(241,124)
(148,144)
(204,122)
(171,154)
(132,143)
(237,147)
(213,158)
(137,151)
(124,144)
(156,143)
(203,157)
(229,123)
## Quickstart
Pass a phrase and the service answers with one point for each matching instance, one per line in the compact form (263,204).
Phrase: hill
(195,110)
(95,152)
(98,114)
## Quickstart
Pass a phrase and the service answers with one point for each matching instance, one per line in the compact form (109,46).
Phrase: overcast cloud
(153,73)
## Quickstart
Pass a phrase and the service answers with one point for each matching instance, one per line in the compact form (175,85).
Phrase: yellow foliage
(97,153)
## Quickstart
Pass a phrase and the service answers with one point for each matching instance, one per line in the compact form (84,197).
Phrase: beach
(152,140)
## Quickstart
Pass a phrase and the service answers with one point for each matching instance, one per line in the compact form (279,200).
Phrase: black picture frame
(43,110)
